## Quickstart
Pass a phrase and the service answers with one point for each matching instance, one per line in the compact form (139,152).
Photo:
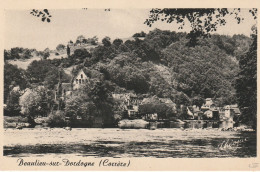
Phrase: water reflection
(202,124)
(160,143)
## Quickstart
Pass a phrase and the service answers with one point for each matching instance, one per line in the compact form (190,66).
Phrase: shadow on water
(244,145)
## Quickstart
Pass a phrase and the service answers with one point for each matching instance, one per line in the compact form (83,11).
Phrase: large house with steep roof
(65,90)
(80,79)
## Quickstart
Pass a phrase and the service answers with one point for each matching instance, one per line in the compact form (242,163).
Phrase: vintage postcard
(127,85)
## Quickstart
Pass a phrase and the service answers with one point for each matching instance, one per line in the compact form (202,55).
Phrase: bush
(57,119)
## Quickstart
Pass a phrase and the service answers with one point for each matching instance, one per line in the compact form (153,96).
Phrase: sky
(25,30)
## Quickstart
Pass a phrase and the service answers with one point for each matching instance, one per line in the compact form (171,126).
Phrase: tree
(117,42)
(197,100)
(246,85)
(18,53)
(68,50)
(15,53)
(44,73)
(91,101)
(60,47)
(202,20)
(93,41)
(12,104)
(79,106)
(56,119)
(36,102)
(163,111)
(13,76)
(141,34)
(80,39)
(80,55)
(44,54)
(106,41)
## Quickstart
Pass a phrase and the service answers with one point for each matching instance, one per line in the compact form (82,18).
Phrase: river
(115,142)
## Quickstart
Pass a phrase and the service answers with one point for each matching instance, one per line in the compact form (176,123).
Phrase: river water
(159,143)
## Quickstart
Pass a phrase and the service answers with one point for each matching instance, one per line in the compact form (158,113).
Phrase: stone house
(130,102)
(80,79)
(65,90)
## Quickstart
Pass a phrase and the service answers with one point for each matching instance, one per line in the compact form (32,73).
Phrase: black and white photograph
(129,83)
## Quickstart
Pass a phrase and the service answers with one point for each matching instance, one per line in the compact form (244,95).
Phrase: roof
(85,71)
(234,106)
(237,111)
(82,70)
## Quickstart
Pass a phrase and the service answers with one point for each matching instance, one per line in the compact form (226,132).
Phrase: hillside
(23,63)
(161,64)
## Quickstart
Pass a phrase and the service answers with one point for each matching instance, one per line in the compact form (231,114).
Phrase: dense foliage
(36,102)
(13,76)
(91,101)
(161,64)
(246,85)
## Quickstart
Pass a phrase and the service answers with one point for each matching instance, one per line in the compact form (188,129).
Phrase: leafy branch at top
(202,20)
(44,14)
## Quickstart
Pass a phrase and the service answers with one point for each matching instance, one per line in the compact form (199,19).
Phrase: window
(81,76)
(79,81)
(76,81)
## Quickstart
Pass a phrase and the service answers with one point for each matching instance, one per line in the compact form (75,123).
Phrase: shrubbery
(56,119)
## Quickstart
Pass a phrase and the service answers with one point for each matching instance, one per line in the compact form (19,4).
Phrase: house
(65,90)
(231,111)
(130,103)
(150,117)
(208,105)
(227,115)
(194,112)
(80,79)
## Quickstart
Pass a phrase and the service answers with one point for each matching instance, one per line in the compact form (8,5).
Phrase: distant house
(231,111)
(208,105)
(150,117)
(194,112)
(130,103)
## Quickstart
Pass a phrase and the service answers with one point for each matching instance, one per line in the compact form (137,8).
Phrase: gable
(81,75)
